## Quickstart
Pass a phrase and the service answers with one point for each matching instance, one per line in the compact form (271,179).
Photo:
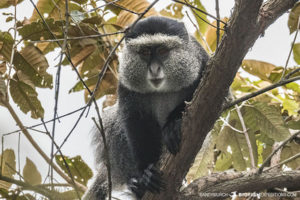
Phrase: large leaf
(31,173)
(6,43)
(80,50)
(108,86)
(223,162)
(53,9)
(293,17)
(203,161)
(79,169)
(8,167)
(125,18)
(24,95)
(173,10)
(229,138)
(3,94)
(267,119)
(37,30)
(258,68)
(7,3)
(291,105)
(296,52)
(288,151)
(33,63)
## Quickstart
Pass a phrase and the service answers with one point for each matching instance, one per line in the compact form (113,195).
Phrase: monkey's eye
(145,52)
(162,50)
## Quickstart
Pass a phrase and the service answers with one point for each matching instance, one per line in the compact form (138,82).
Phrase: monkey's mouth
(156,82)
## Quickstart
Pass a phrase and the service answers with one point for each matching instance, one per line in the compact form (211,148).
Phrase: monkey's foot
(172,136)
(150,180)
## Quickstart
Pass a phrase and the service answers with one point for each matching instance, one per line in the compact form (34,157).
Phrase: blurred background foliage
(93,31)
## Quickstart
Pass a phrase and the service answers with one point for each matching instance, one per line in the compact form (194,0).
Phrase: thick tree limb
(248,21)
(227,182)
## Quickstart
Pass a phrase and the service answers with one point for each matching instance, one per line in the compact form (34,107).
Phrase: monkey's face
(158,63)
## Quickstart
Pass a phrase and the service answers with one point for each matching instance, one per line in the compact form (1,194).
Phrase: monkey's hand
(172,135)
(150,180)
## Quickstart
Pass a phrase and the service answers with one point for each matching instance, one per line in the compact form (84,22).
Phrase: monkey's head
(159,56)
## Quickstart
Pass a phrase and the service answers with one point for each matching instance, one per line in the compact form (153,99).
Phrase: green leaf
(80,1)
(71,194)
(223,162)
(8,160)
(79,169)
(290,105)
(81,50)
(241,84)
(24,95)
(293,86)
(8,3)
(288,151)
(258,68)
(204,159)
(294,124)
(53,9)
(38,31)
(33,63)
(293,17)
(15,195)
(31,173)
(201,24)
(230,139)
(6,44)
(173,10)
(3,94)
(296,52)
(267,119)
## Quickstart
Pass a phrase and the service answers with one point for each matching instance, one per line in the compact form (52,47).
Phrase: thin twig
(123,8)
(292,72)
(284,161)
(186,3)
(57,84)
(229,125)
(64,160)
(218,22)
(200,34)
(238,110)
(38,148)
(290,53)
(13,47)
(275,150)
(107,157)
(78,38)
(43,191)
(206,13)
(254,94)
(46,122)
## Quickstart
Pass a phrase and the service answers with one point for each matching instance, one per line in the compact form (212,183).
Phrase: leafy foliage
(8,166)
(269,118)
(79,169)
(31,173)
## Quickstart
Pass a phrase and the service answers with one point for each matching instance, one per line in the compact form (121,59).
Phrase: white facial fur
(180,69)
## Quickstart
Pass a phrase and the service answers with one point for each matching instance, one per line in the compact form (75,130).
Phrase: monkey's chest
(160,106)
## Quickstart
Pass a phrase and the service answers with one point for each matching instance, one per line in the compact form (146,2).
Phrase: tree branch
(225,183)
(248,21)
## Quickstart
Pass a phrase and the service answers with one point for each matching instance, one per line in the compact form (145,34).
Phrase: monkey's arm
(144,142)
(172,130)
